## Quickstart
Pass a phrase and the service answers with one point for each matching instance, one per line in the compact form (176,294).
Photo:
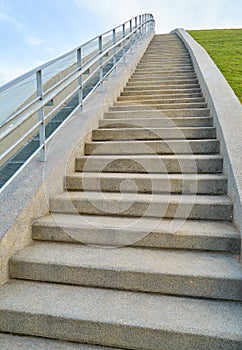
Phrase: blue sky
(35,31)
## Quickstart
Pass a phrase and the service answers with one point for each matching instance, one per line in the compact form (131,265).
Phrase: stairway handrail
(46,64)
(119,40)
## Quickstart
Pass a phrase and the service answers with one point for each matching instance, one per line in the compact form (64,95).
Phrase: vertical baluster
(42,142)
(79,66)
(114,51)
(100,50)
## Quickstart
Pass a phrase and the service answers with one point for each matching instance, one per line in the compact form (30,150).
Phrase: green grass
(225,48)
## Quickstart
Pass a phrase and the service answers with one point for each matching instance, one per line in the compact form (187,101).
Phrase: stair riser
(165,61)
(74,183)
(155,134)
(172,61)
(166,100)
(155,97)
(179,106)
(117,237)
(143,165)
(127,280)
(178,54)
(161,68)
(158,147)
(167,92)
(142,209)
(120,335)
(160,82)
(160,79)
(156,123)
(160,71)
(171,89)
(166,58)
(167,73)
(157,114)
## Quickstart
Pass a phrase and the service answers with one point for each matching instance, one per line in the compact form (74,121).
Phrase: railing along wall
(30,102)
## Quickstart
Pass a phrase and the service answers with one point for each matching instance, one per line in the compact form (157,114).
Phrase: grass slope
(225,48)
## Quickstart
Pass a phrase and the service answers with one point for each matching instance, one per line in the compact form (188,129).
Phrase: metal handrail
(121,39)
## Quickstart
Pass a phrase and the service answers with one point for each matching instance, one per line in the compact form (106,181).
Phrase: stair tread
(165,156)
(189,227)
(149,176)
(171,262)
(147,232)
(140,197)
(83,307)
(165,113)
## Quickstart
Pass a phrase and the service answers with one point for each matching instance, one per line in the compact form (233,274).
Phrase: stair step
(156,122)
(144,72)
(161,69)
(199,207)
(162,81)
(207,275)
(156,96)
(165,100)
(119,318)
(118,106)
(153,133)
(170,88)
(189,163)
(151,113)
(165,58)
(151,82)
(145,232)
(162,76)
(205,146)
(164,65)
(172,61)
(166,55)
(131,91)
(19,342)
(147,183)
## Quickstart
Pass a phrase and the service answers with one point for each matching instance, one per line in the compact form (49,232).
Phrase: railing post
(145,26)
(140,29)
(79,66)
(114,51)
(123,43)
(42,142)
(136,25)
(130,37)
(100,50)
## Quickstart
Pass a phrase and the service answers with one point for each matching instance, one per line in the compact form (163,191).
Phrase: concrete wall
(27,196)
(226,110)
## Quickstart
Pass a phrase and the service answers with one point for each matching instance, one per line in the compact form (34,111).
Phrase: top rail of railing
(30,101)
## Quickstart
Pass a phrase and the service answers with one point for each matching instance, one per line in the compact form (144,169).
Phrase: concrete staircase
(159,265)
